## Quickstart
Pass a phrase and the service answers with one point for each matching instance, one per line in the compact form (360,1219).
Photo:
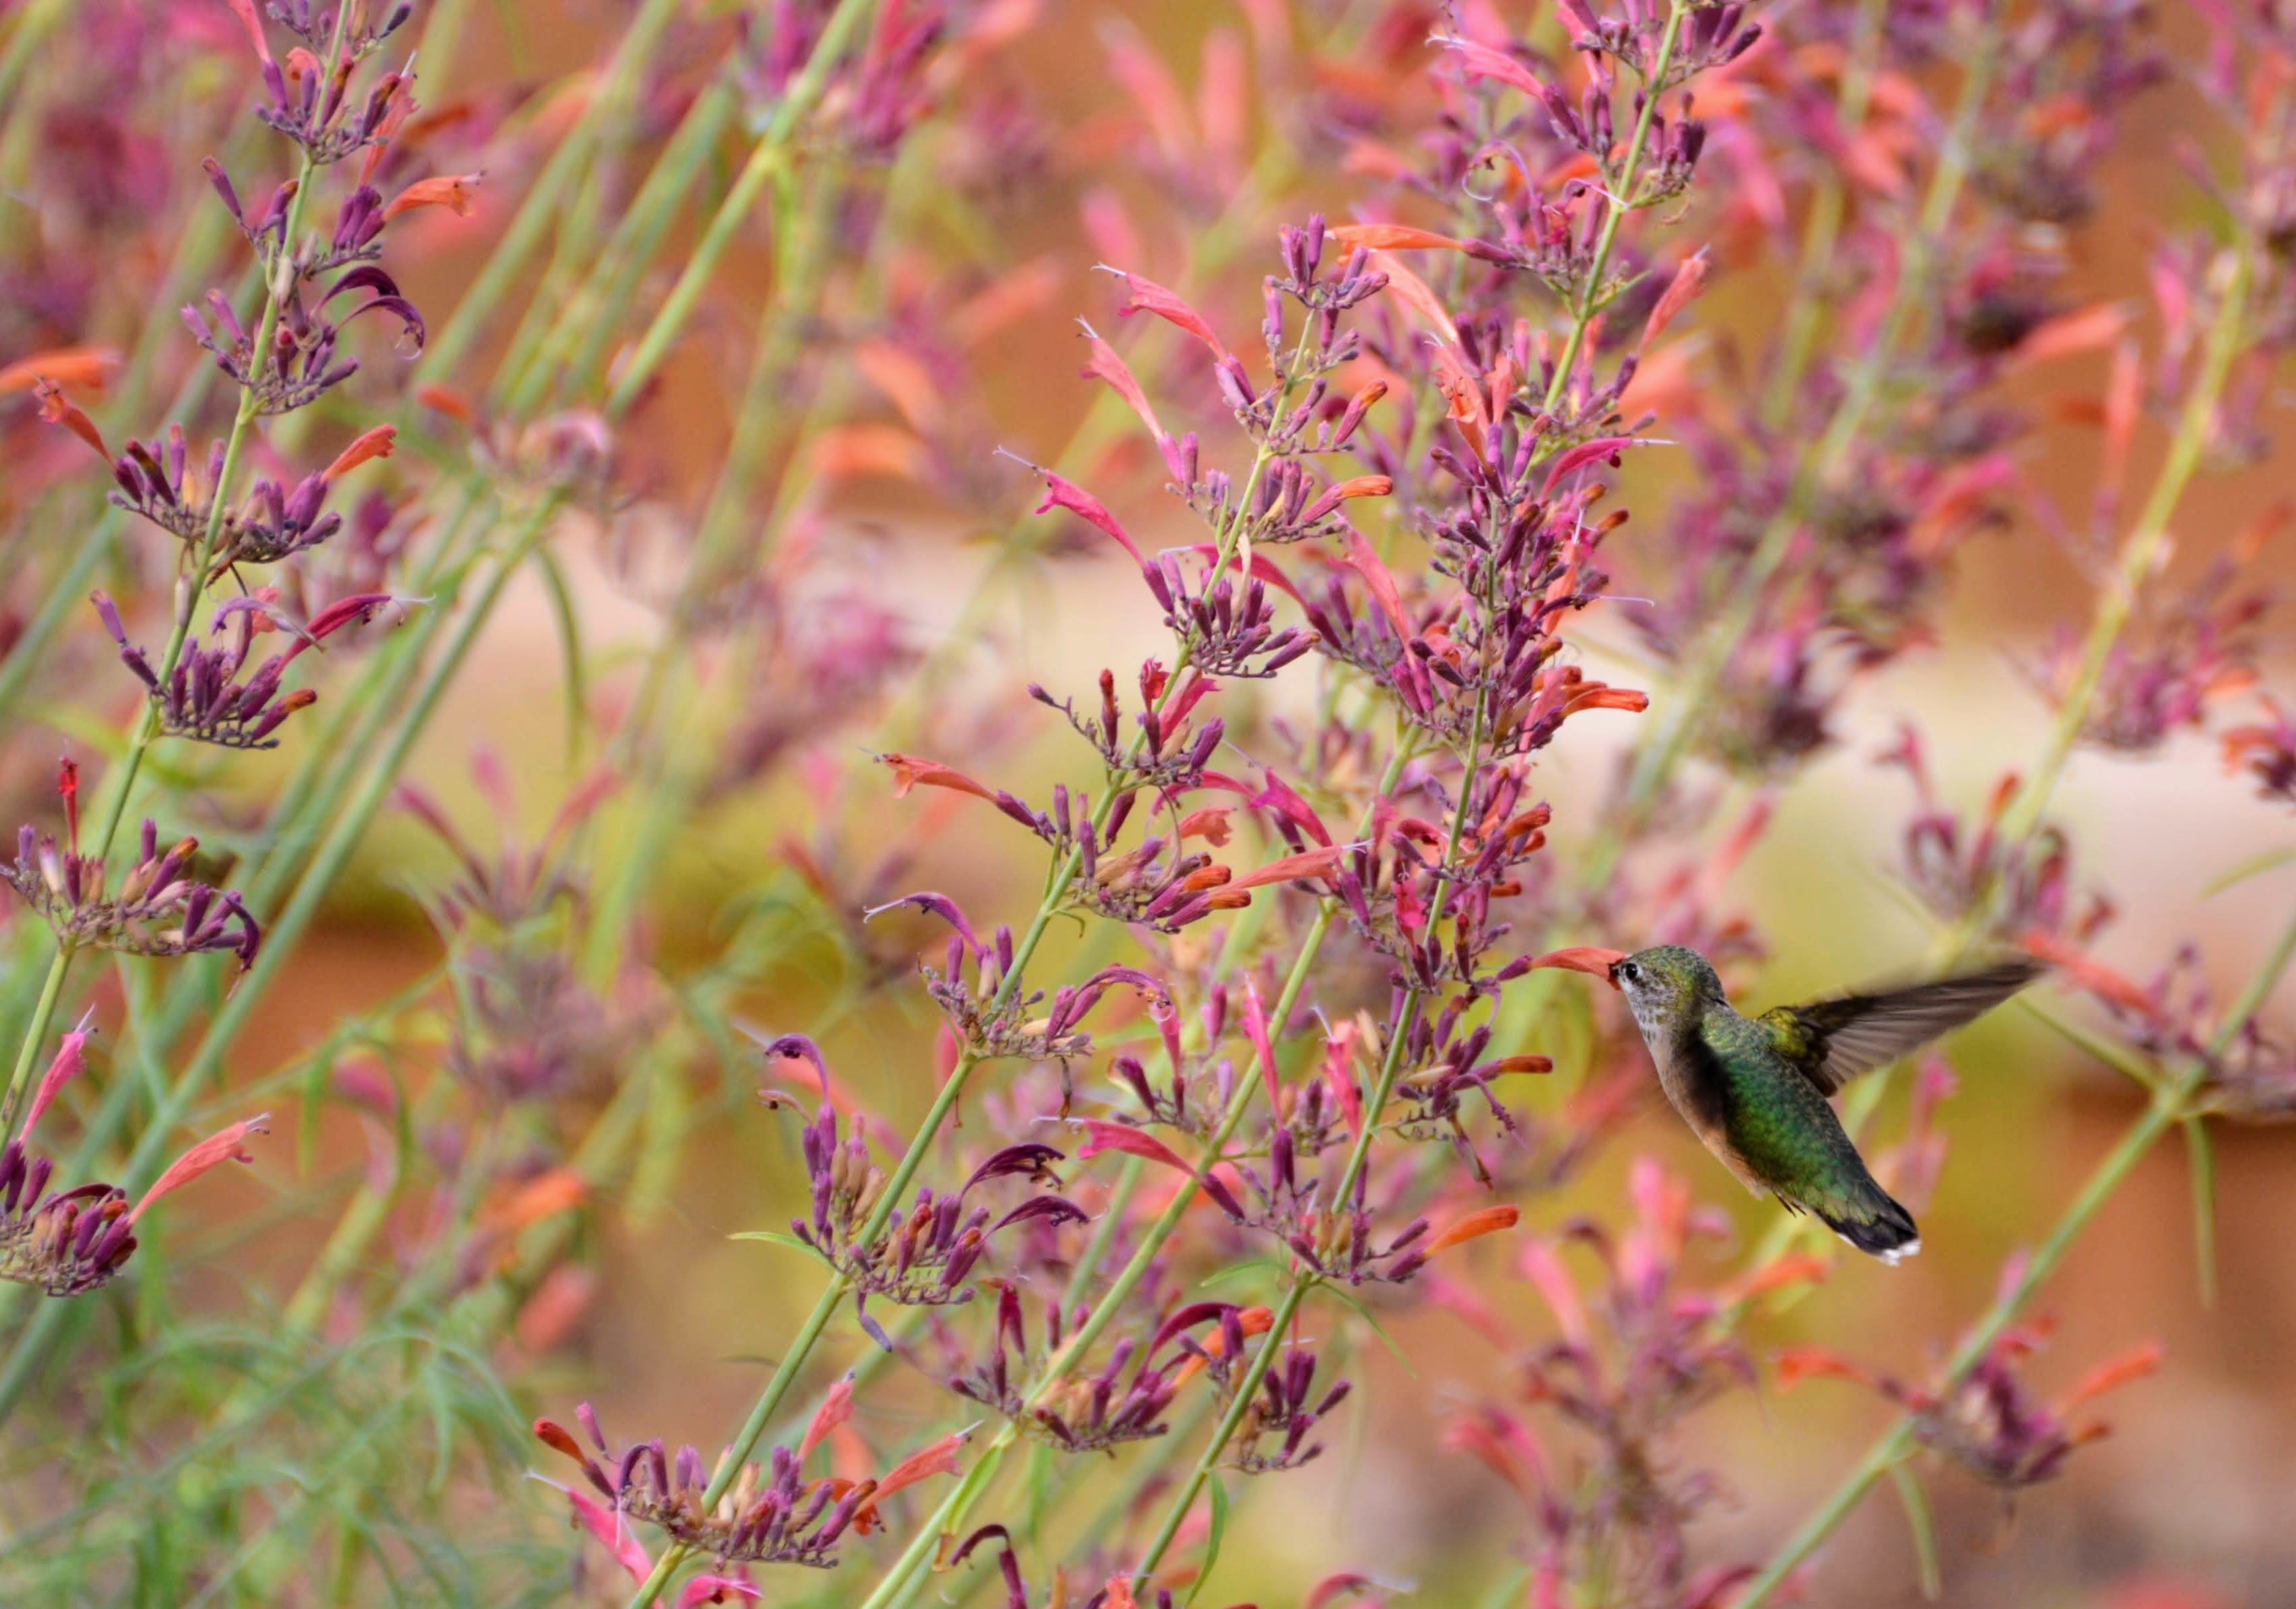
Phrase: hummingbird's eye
(1630,972)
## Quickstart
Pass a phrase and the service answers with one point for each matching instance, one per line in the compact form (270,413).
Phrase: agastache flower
(770,1515)
(1081,1412)
(1273,1435)
(1633,1355)
(311,103)
(1172,751)
(71,1242)
(1960,868)
(301,365)
(993,1021)
(2265,749)
(157,911)
(1987,1420)
(203,699)
(160,481)
(925,1256)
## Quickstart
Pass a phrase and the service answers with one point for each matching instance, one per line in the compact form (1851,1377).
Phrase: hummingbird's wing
(1833,1040)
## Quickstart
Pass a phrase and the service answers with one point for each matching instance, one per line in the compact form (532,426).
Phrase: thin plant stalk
(1654,762)
(1063,873)
(772,150)
(119,783)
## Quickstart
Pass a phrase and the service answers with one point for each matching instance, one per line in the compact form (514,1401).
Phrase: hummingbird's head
(1665,984)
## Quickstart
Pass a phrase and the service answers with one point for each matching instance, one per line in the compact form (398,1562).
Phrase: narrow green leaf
(2202,1151)
(778,1239)
(1217,1493)
(1045,1491)
(1238,1270)
(569,647)
(1925,1529)
(2249,868)
(1509,1590)
(1386,1339)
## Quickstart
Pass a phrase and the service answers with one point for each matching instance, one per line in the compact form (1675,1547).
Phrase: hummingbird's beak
(1588,959)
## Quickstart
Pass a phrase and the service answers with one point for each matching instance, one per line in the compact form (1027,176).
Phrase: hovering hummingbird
(1754,1089)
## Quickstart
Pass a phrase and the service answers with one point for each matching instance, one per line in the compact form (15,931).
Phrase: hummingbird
(1754,1089)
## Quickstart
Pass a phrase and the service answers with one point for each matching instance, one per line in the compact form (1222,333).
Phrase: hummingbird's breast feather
(1697,1086)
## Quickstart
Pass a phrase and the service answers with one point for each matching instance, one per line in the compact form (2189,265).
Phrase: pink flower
(71,1056)
(218,1148)
(451,191)
(1146,296)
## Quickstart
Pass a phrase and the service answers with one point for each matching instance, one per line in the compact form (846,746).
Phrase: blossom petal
(71,1056)
(1482,62)
(609,1527)
(84,366)
(1146,296)
(452,190)
(909,770)
(213,1152)
(836,1407)
(1107,366)
(1488,1220)
(1061,492)
(1688,279)
(1393,237)
(1366,562)
(1583,958)
(1318,862)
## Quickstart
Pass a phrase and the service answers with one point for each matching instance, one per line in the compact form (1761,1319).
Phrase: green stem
(348,828)
(668,797)
(1232,534)
(902,1583)
(1305,1279)
(1591,299)
(1812,304)
(2142,551)
(1654,762)
(771,151)
(784,1377)
(119,784)
(475,313)
(1246,1389)
(29,1052)
(577,339)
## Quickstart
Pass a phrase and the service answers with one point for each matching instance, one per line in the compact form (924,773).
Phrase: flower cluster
(1634,1359)
(205,700)
(771,1515)
(1986,1419)
(158,909)
(68,1242)
(1079,1411)
(158,482)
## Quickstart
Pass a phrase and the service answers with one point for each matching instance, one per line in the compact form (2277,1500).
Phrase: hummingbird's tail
(1874,1222)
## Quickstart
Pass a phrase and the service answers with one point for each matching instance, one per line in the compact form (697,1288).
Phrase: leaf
(1385,1339)
(2249,868)
(1509,1590)
(2111,1055)
(1237,1271)
(2201,1150)
(1925,1529)
(1045,1493)
(1218,1495)
(778,1239)
(570,646)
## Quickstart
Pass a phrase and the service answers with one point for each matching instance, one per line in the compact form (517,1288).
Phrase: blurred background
(1170,139)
